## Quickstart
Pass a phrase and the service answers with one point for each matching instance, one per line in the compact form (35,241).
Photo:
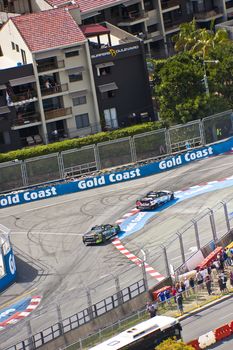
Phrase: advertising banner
(78,185)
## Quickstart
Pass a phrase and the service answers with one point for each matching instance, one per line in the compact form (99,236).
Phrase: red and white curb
(34,303)
(117,243)
(127,215)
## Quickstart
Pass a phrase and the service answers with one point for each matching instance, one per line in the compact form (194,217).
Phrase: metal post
(202,132)
(89,303)
(118,290)
(24,173)
(226,216)
(132,150)
(61,165)
(97,157)
(181,247)
(166,261)
(144,275)
(59,317)
(196,234)
(213,227)
(30,336)
(168,141)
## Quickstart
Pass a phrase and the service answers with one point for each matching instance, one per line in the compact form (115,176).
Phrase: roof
(94,29)
(48,29)
(87,5)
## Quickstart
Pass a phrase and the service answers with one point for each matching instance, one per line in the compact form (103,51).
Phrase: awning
(2,86)
(78,93)
(130,2)
(108,87)
(23,80)
(76,70)
(4,110)
(103,65)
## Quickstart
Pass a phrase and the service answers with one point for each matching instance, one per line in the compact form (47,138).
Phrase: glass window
(17,47)
(110,116)
(82,120)
(75,77)
(13,45)
(72,53)
(80,100)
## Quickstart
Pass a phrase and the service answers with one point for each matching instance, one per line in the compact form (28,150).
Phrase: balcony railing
(229,4)
(57,113)
(133,16)
(170,3)
(56,89)
(23,96)
(207,15)
(25,119)
(50,66)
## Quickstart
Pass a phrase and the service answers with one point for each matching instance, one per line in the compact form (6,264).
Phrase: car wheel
(172,196)
(104,239)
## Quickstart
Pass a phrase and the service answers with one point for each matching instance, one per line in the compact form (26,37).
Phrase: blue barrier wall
(109,179)
(10,270)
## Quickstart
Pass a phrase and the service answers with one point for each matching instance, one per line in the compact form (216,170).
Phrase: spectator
(220,284)
(167,295)
(231,278)
(187,286)
(174,292)
(229,257)
(151,309)
(179,301)
(199,279)
(161,297)
(192,283)
(208,284)
(223,277)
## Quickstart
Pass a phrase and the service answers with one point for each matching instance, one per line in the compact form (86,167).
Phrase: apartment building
(155,21)
(56,81)
(62,72)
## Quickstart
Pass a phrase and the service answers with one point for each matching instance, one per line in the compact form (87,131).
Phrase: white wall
(40,5)
(9,34)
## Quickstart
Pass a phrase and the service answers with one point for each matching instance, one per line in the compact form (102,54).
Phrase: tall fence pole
(181,246)
(212,224)
(166,260)
(202,132)
(196,234)
(89,303)
(226,215)
(118,290)
(30,336)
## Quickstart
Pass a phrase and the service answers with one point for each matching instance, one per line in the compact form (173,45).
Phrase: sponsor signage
(115,52)
(113,178)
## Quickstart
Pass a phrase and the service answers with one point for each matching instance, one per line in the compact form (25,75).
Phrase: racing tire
(172,197)
(104,239)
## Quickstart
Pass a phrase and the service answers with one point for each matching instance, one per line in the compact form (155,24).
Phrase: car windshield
(97,229)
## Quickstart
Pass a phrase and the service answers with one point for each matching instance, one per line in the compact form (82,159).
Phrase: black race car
(154,199)
(100,233)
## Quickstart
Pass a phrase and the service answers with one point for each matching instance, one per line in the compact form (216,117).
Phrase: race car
(100,233)
(154,199)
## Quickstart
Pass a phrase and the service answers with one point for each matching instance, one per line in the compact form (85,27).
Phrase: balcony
(22,98)
(25,120)
(48,66)
(134,17)
(54,90)
(156,35)
(58,113)
(170,5)
(172,27)
(229,5)
(207,16)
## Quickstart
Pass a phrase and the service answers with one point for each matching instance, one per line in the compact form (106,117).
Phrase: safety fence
(204,232)
(139,148)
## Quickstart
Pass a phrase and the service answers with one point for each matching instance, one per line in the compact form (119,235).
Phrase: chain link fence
(150,145)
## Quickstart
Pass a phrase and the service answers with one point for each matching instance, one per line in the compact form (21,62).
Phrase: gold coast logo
(112,52)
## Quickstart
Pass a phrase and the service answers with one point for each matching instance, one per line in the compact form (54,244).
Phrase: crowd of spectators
(212,279)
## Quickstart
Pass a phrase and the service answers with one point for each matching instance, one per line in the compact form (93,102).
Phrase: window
(17,47)
(110,116)
(80,100)
(1,53)
(13,45)
(5,138)
(72,53)
(75,77)
(82,120)
(24,59)
(104,71)
(111,93)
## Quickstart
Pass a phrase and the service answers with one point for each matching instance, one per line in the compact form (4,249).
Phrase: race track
(53,262)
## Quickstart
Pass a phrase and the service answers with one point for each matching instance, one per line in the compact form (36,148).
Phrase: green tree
(199,41)
(171,344)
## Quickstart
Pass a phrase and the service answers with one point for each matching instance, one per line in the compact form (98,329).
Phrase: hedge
(36,151)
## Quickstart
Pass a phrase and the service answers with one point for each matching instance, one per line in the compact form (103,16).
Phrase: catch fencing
(116,153)
(203,232)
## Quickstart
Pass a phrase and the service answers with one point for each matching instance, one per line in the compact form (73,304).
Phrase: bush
(171,344)
(60,146)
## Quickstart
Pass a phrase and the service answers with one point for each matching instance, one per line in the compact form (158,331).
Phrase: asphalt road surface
(207,320)
(53,262)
